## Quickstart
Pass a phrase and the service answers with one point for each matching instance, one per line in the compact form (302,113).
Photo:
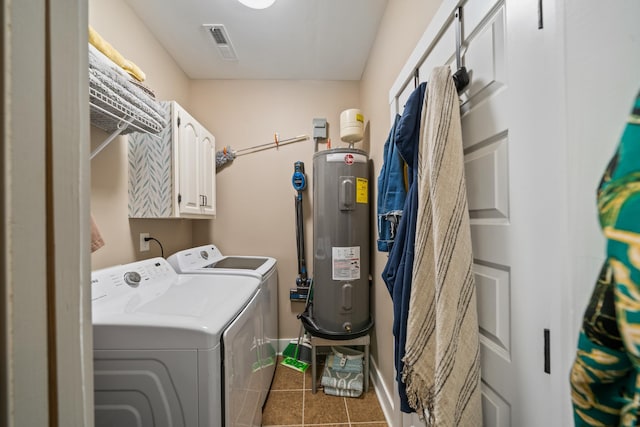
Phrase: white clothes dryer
(209,260)
(174,350)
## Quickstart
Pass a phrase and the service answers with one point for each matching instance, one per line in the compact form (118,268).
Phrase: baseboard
(284,342)
(384,396)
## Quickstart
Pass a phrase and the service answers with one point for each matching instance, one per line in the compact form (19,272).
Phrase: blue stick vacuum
(299,181)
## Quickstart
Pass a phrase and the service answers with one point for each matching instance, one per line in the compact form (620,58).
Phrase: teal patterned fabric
(340,380)
(345,360)
(605,377)
(348,381)
(150,185)
(342,392)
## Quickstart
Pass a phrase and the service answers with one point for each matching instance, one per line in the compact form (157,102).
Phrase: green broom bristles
(290,350)
(293,363)
(304,352)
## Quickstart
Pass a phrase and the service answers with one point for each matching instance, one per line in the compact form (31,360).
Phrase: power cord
(146,239)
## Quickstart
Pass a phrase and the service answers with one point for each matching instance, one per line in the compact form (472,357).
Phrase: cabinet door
(207,168)
(187,146)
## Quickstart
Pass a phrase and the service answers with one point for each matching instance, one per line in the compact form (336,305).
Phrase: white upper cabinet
(173,176)
(207,164)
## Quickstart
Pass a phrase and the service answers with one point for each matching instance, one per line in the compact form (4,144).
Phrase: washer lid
(209,259)
(165,311)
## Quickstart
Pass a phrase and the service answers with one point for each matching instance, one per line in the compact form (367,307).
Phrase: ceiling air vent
(221,39)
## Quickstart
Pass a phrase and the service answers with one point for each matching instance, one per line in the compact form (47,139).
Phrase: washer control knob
(132,278)
(204,254)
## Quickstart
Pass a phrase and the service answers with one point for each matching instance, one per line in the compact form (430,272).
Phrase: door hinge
(547,351)
(179,198)
(178,121)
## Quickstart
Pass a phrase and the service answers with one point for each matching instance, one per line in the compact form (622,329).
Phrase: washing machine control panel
(195,258)
(132,278)
(138,277)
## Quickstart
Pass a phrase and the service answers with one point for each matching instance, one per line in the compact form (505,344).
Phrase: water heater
(341,232)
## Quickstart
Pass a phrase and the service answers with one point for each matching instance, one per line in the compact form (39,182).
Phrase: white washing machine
(175,350)
(209,260)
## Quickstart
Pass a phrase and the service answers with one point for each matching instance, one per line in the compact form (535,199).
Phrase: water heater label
(342,158)
(346,263)
(362,190)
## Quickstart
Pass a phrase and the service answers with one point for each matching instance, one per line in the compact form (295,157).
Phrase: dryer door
(269,344)
(242,369)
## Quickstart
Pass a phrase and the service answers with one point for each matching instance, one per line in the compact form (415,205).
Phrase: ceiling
(293,39)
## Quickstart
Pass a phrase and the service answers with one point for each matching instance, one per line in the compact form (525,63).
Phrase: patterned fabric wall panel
(150,171)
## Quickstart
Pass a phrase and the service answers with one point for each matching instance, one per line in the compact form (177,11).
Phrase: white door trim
(45,357)
(70,174)
(24,357)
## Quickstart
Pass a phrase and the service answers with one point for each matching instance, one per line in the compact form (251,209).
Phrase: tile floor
(291,403)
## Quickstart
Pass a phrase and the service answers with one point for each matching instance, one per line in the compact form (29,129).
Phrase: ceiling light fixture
(257,4)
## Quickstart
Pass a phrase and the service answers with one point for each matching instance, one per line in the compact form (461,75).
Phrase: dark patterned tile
(283,408)
(365,408)
(285,401)
(320,408)
(287,378)
(369,424)
(308,376)
(329,425)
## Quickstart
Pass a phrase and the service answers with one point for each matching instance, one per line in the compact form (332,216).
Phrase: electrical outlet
(144,246)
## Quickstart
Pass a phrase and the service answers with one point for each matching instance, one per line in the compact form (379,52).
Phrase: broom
(304,350)
(294,362)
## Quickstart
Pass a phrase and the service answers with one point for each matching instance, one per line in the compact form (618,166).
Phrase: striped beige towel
(442,360)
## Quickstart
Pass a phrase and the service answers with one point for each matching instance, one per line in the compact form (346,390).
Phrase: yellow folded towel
(110,52)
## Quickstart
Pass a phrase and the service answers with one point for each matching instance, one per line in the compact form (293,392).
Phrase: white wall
(255,198)
(403,24)
(116,22)
(602,80)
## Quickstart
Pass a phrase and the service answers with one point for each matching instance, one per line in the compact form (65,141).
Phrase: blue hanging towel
(398,271)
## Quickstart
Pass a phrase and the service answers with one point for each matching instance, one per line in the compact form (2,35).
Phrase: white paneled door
(188,147)
(514,169)
(207,172)
(514,172)
(488,165)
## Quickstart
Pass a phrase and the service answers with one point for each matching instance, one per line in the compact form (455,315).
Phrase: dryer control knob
(132,278)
